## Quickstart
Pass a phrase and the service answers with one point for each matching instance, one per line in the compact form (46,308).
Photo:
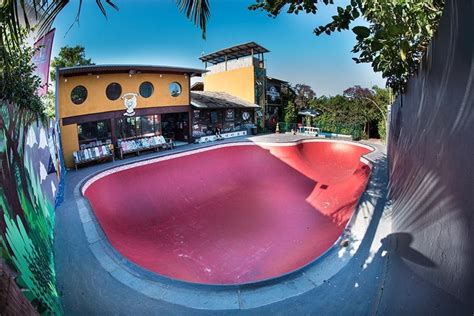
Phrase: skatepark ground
(375,280)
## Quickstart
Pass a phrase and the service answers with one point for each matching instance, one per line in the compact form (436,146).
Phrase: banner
(42,60)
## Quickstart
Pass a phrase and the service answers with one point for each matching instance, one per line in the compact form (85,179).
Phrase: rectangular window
(94,133)
(130,127)
(139,126)
(148,125)
(213,117)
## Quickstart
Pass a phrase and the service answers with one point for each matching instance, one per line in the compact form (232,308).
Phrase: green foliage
(198,11)
(18,82)
(382,128)
(353,111)
(291,113)
(295,6)
(69,57)
(304,95)
(49,101)
(398,34)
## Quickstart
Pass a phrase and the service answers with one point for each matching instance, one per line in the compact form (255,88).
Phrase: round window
(175,89)
(113,91)
(146,89)
(79,95)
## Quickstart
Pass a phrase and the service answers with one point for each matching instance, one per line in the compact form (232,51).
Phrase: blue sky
(155,32)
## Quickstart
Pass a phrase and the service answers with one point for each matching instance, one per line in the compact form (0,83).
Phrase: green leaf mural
(27,232)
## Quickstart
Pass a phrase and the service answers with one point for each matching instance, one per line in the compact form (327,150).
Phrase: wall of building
(97,101)
(431,151)
(238,82)
(242,62)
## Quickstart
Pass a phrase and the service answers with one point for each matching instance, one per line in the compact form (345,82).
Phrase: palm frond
(15,14)
(198,11)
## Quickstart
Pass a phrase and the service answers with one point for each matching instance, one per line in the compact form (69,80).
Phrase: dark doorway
(176,126)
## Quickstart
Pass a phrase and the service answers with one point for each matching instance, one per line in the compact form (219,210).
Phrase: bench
(309,130)
(138,145)
(211,138)
(96,153)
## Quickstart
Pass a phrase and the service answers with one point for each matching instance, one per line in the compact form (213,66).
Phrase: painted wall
(238,82)
(31,187)
(431,151)
(97,101)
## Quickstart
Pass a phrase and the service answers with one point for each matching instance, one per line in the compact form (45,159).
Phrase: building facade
(106,104)
(240,71)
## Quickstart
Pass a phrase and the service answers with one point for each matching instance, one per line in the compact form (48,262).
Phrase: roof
(198,86)
(80,70)
(234,52)
(218,100)
(275,79)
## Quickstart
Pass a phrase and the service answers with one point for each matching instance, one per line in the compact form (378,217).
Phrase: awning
(219,100)
(234,52)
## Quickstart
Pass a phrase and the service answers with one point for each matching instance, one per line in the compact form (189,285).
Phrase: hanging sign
(41,59)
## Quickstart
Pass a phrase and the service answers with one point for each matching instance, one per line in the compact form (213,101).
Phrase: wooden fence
(12,300)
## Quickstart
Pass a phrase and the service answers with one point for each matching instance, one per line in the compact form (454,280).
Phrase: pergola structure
(235,52)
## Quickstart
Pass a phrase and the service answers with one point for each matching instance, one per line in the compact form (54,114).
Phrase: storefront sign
(130,103)
(229,115)
(273,94)
(245,116)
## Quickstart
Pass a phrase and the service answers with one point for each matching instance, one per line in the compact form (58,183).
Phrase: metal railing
(355,130)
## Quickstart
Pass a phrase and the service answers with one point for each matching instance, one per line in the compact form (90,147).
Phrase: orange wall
(98,102)
(238,82)
(69,142)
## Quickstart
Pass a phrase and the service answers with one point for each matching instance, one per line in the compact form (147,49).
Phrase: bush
(382,130)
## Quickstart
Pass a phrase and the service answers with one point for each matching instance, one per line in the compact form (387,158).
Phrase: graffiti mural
(31,187)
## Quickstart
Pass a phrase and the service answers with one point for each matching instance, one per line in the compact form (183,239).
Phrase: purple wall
(431,156)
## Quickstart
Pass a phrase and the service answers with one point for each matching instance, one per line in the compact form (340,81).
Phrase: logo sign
(130,103)
(229,115)
(273,93)
(246,116)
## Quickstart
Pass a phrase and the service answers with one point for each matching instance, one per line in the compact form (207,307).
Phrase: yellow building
(240,71)
(106,104)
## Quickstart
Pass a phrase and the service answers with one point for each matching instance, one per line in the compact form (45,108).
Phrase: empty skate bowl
(231,214)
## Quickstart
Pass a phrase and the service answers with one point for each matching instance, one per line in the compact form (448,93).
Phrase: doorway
(176,126)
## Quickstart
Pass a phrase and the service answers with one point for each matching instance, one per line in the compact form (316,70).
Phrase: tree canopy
(398,34)
(70,57)
(356,106)
(304,94)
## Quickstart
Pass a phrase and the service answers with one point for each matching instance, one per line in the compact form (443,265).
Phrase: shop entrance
(176,126)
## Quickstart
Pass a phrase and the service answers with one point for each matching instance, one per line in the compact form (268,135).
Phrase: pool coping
(227,297)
